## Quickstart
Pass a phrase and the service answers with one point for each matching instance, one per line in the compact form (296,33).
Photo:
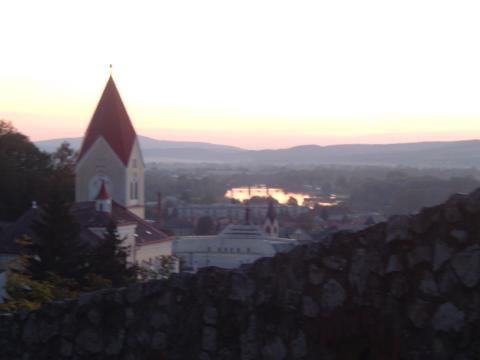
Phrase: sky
(254,74)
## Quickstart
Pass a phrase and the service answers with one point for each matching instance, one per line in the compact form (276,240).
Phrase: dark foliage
(27,174)
(57,247)
(109,259)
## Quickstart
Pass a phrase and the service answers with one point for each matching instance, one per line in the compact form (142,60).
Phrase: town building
(231,211)
(236,245)
(270,225)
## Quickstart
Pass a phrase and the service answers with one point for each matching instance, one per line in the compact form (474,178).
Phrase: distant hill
(145,143)
(422,154)
(453,154)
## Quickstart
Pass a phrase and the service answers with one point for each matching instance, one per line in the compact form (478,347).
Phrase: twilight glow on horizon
(254,74)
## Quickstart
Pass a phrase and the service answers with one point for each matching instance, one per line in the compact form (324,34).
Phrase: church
(109,181)
(109,184)
(111,155)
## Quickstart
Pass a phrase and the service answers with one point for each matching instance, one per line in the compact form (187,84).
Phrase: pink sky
(253,74)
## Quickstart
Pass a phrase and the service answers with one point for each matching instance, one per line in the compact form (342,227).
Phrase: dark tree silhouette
(25,172)
(109,258)
(57,248)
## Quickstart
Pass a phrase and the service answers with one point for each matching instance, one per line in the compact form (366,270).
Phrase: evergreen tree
(109,258)
(63,170)
(24,172)
(57,248)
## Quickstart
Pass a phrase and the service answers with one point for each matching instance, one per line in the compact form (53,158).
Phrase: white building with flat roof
(234,246)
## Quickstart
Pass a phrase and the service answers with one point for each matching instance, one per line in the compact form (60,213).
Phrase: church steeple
(110,155)
(110,121)
(270,225)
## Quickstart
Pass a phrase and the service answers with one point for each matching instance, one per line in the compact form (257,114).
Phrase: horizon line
(279,148)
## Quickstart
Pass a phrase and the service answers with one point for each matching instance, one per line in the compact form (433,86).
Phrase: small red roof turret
(103,193)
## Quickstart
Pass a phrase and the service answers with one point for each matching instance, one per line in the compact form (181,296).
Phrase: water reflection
(246,193)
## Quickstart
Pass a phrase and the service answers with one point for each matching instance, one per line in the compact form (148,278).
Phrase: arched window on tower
(134,189)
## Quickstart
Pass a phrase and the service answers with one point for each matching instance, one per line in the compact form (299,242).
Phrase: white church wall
(149,257)
(135,175)
(148,253)
(100,160)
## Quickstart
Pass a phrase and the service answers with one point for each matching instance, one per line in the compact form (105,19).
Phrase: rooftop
(110,121)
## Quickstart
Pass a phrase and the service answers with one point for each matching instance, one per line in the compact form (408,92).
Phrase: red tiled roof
(146,233)
(87,217)
(111,122)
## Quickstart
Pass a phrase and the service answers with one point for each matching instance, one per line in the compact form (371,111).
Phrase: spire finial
(111,69)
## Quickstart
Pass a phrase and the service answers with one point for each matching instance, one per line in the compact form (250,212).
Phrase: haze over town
(269,74)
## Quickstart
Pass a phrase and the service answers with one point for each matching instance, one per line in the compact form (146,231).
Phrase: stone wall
(405,289)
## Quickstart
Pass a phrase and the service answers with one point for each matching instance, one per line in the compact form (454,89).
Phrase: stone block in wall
(274,350)
(419,313)
(335,263)
(209,338)
(316,274)
(333,295)
(448,318)
(397,228)
(441,253)
(466,265)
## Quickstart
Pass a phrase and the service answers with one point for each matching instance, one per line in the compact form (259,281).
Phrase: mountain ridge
(462,153)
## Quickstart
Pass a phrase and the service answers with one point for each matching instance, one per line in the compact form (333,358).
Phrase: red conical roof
(103,193)
(111,122)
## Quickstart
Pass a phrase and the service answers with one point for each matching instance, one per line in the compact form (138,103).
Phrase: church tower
(110,156)
(270,226)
